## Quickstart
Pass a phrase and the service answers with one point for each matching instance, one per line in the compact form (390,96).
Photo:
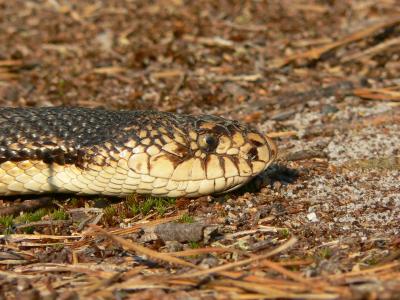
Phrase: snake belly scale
(96,151)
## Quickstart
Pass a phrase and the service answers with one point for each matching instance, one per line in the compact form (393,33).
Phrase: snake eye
(207,142)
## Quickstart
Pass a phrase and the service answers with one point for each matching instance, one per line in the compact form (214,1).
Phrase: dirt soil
(320,77)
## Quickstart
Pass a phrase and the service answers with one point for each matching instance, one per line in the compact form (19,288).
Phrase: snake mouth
(256,160)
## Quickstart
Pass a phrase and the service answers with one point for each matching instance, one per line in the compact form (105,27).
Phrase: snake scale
(96,151)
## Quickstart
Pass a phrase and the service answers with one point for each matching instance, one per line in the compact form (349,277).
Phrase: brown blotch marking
(253,155)
(232,128)
(165,138)
(26,154)
(158,142)
(272,149)
(256,139)
(176,160)
(176,149)
(212,173)
(203,166)
(80,159)
(222,163)
(181,150)
(219,129)
(235,161)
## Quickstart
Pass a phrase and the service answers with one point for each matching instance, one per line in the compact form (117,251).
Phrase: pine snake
(96,151)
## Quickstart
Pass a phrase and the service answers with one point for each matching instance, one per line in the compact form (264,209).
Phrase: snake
(94,151)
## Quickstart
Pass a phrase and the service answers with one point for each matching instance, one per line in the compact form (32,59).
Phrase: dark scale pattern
(63,134)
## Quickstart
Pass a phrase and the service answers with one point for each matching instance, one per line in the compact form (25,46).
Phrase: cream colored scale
(131,174)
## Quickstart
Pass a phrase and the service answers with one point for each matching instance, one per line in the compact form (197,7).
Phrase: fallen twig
(143,250)
(316,53)
(377,49)
(26,206)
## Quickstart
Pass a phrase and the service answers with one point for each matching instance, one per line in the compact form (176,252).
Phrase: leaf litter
(320,78)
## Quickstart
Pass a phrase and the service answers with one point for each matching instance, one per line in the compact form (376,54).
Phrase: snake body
(96,151)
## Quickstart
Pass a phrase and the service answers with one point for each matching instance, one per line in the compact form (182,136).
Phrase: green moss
(284,233)
(74,202)
(31,217)
(61,87)
(147,205)
(59,215)
(325,253)
(160,205)
(194,245)
(7,222)
(185,218)
(110,211)
(372,261)
(134,208)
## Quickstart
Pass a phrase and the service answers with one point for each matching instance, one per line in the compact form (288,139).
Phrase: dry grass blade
(7,76)
(278,268)
(248,78)
(23,237)
(109,70)
(282,134)
(12,275)
(375,270)
(11,63)
(316,53)
(128,285)
(378,49)
(272,292)
(90,270)
(167,74)
(247,261)
(125,231)
(383,94)
(143,250)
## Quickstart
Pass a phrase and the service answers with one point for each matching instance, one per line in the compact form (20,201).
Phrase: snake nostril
(256,143)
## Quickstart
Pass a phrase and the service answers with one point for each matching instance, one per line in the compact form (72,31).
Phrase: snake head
(181,155)
(230,150)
